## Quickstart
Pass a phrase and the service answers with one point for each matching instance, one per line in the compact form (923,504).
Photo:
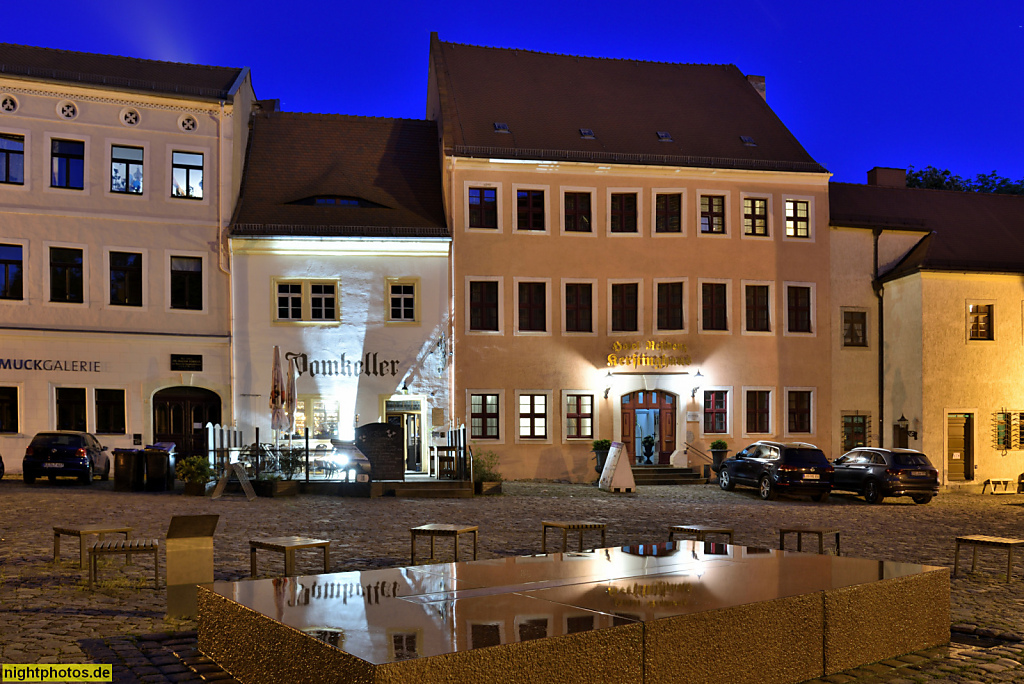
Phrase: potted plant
(196,472)
(600,447)
(719,449)
(648,443)
(272,484)
(486,478)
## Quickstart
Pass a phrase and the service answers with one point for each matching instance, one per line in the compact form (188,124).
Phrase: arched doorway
(179,415)
(649,413)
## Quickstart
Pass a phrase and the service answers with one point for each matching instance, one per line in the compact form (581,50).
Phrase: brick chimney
(887,177)
(759,85)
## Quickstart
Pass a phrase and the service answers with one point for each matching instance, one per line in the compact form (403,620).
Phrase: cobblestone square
(47,614)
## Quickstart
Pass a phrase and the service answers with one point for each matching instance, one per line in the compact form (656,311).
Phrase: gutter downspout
(223,252)
(879,291)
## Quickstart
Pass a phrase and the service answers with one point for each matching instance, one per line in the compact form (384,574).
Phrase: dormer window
(501,127)
(748,141)
(337,201)
(587,133)
(664,136)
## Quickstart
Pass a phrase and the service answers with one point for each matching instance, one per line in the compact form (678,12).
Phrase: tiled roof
(119,73)
(392,165)
(963,231)
(545,99)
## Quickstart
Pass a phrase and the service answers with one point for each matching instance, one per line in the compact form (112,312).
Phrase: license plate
(53,465)
(812,476)
(919,473)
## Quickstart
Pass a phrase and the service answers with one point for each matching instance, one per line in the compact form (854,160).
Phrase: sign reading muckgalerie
(51,365)
(648,354)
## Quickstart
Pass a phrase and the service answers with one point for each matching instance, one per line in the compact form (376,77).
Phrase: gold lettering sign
(648,354)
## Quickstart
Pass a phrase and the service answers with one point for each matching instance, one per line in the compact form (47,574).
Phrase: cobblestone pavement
(48,615)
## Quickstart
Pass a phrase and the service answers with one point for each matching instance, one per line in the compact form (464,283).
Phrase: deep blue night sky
(859,84)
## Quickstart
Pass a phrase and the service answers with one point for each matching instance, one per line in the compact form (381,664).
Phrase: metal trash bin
(129,470)
(159,474)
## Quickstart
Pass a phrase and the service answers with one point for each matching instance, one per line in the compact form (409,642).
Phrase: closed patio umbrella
(291,398)
(278,415)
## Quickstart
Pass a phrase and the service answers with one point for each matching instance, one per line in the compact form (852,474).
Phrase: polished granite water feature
(682,611)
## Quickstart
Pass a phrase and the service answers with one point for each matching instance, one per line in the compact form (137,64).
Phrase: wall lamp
(696,384)
(608,388)
(903,424)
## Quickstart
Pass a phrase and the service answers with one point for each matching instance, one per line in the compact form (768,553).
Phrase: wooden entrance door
(179,416)
(665,403)
(960,454)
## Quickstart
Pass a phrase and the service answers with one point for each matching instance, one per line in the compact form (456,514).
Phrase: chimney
(887,177)
(758,83)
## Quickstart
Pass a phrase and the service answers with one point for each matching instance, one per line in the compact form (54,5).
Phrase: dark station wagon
(779,468)
(877,473)
(65,453)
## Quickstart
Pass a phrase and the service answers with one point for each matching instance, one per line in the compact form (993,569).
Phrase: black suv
(877,473)
(779,468)
(66,454)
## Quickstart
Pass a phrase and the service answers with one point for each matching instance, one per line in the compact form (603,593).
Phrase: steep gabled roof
(386,172)
(120,73)
(964,231)
(545,99)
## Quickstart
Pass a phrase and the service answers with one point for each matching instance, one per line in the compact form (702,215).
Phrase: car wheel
(86,477)
(820,498)
(767,489)
(873,493)
(922,498)
(106,472)
(725,480)
(29,479)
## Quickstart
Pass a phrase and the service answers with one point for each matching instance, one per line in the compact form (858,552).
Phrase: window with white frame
(758,418)
(855,324)
(483,304)
(579,415)
(625,302)
(484,417)
(798,218)
(799,309)
(716,411)
(533,415)
(532,306)
(799,405)
(671,305)
(305,301)
(714,306)
(579,307)
(980,322)
(9,409)
(757,307)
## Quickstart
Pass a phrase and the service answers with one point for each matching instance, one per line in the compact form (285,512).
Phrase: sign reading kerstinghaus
(648,354)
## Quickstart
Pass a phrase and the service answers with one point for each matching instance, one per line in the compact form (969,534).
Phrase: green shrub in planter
(600,447)
(719,444)
(196,469)
(485,464)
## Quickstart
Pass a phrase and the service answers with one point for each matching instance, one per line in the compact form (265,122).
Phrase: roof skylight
(501,127)
(748,141)
(587,133)
(664,136)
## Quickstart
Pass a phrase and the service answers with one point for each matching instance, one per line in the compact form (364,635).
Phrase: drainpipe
(222,255)
(877,287)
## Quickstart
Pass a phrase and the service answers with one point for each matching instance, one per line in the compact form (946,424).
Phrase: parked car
(65,454)
(779,468)
(877,473)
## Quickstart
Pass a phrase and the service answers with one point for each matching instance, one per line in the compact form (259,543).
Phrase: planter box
(276,487)
(195,489)
(482,488)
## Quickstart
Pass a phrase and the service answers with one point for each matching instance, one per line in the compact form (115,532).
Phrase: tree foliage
(944,179)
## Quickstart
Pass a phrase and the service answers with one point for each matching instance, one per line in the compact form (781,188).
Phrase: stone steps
(666,475)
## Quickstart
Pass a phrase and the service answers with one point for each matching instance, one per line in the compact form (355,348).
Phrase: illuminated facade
(117,180)
(602,255)
(941,334)
(347,274)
